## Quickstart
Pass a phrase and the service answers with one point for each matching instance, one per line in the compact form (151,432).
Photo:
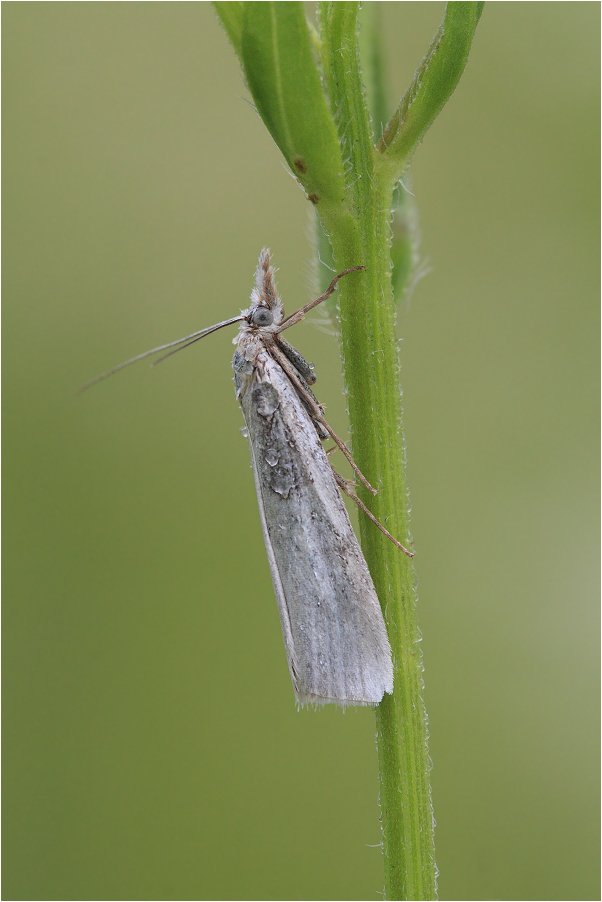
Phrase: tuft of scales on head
(265,293)
(266,311)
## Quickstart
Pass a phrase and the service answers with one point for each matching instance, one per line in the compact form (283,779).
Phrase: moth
(333,628)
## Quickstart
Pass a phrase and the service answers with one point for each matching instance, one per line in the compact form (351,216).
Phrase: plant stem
(371,367)
(370,359)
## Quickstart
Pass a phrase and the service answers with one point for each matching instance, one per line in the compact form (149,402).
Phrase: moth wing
(332,624)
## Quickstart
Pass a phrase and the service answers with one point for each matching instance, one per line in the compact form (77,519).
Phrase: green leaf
(373,65)
(343,76)
(278,63)
(231,16)
(433,84)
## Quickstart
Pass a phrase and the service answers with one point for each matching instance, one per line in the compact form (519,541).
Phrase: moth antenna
(181,348)
(184,342)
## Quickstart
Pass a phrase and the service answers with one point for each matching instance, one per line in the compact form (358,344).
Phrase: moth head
(261,317)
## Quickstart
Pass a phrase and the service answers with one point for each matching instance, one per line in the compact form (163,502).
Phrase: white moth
(333,628)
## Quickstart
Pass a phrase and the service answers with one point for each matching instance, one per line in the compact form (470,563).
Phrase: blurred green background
(152,746)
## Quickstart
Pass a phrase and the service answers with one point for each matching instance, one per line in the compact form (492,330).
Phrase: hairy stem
(371,366)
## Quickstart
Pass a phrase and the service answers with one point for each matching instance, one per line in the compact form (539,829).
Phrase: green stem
(370,359)
(371,366)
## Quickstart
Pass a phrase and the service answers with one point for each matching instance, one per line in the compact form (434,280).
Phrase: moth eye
(261,316)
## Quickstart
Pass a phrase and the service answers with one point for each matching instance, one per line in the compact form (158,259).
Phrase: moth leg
(299,315)
(345,486)
(316,411)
